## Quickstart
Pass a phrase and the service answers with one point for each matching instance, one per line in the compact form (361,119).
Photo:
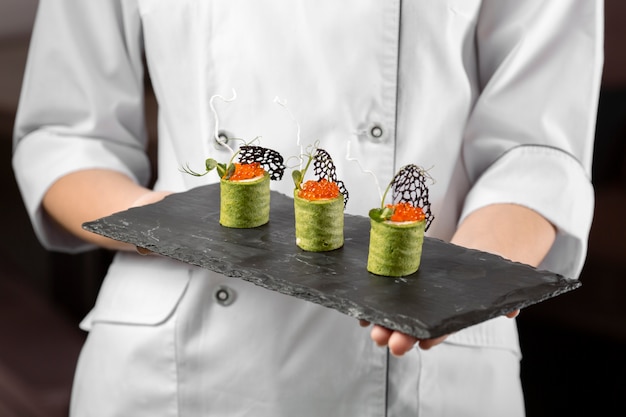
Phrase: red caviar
(406,212)
(318,190)
(247,171)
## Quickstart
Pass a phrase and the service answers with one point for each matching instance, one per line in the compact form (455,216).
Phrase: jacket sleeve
(530,135)
(81,105)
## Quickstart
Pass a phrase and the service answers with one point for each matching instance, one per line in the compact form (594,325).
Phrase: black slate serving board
(453,289)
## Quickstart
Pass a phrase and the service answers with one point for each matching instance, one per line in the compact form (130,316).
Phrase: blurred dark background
(574,345)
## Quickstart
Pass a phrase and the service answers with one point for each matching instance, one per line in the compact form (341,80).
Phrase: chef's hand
(85,195)
(509,230)
(400,343)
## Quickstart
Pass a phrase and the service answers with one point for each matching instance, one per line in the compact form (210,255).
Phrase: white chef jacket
(496,98)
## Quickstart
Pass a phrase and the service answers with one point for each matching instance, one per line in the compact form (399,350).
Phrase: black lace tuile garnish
(269,159)
(409,185)
(324,168)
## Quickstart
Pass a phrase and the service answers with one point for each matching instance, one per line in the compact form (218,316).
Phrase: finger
(400,343)
(364,323)
(426,344)
(143,251)
(513,314)
(150,197)
(380,335)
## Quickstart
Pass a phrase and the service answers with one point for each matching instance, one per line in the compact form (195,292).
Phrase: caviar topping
(246,171)
(406,212)
(318,190)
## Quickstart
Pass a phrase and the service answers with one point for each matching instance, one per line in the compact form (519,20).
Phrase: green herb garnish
(298,174)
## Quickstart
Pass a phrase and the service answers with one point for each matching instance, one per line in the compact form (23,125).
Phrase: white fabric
(496,97)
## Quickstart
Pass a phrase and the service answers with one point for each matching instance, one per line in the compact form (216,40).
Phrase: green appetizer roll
(397,229)
(245,185)
(245,204)
(395,249)
(319,204)
(319,223)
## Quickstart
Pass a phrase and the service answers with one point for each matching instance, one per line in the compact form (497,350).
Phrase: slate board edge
(409,325)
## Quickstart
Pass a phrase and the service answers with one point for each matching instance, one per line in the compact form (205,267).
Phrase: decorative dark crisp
(324,168)
(409,185)
(269,159)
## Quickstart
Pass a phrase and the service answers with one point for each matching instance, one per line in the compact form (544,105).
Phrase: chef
(496,98)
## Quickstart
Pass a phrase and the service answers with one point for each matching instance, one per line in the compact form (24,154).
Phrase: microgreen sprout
(223,170)
(298,174)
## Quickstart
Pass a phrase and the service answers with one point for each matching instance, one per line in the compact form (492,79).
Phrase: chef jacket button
(376,132)
(224,296)
(221,139)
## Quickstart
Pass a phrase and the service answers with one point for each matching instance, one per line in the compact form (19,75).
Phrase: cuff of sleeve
(41,159)
(550,182)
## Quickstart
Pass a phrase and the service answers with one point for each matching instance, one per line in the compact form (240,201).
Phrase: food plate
(454,288)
